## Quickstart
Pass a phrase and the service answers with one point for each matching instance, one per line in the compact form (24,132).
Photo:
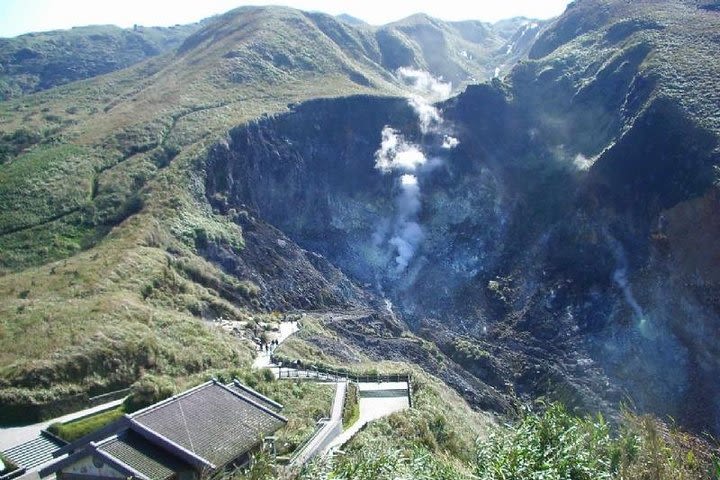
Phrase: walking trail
(263,358)
(377,400)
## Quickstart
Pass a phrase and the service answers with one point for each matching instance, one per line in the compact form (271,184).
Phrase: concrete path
(321,441)
(286,329)
(11,436)
(377,400)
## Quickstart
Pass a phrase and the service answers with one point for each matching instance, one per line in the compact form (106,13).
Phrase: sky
(23,16)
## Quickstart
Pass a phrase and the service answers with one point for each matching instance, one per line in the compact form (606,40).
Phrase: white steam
(424,84)
(450,142)
(583,163)
(407,234)
(429,118)
(425,89)
(620,277)
(397,154)
(404,235)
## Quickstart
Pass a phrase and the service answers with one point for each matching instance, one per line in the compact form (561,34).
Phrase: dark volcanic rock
(563,239)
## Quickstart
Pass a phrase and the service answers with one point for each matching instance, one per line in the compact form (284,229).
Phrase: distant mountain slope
(38,61)
(460,52)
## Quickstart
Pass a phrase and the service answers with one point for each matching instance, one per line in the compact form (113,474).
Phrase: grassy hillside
(38,61)
(102,211)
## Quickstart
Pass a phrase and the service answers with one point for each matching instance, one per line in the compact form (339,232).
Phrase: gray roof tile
(136,452)
(212,421)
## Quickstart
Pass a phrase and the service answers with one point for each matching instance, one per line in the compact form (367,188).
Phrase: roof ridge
(170,399)
(252,402)
(166,443)
(252,391)
(108,440)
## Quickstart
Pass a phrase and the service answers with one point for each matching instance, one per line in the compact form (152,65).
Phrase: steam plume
(396,154)
(408,233)
(620,277)
(424,84)
(425,90)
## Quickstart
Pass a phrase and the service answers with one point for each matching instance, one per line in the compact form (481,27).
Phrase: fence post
(409,391)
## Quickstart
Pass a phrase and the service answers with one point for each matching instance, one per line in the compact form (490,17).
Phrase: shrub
(146,391)
(384,464)
(9,465)
(351,407)
(550,445)
(557,445)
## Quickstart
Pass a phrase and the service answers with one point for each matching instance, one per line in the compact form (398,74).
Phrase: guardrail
(301,372)
(299,449)
(108,397)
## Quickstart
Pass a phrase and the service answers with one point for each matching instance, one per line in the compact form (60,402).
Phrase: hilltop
(38,61)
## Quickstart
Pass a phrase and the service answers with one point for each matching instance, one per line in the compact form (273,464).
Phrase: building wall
(86,466)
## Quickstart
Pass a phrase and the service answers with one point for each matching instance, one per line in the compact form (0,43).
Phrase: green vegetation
(9,466)
(11,144)
(38,61)
(351,406)
(464,350)
(83,426)
(34,187)
(555,444)
(304,404)
(102,220)
(377,463)
(148,390)
(551,445)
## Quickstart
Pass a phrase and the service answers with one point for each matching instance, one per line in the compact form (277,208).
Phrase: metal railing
(109,396)
(296,370)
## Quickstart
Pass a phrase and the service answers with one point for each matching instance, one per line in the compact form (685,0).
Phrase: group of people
(268,347)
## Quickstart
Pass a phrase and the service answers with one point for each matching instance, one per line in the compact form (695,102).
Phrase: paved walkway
(286,329)
(328,433)
(377,400)
(11,436)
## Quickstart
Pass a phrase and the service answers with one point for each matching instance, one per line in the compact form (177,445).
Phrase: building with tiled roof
(200,431)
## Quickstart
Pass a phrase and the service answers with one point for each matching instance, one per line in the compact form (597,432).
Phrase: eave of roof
(91,449)
(254,403)
(254,393)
